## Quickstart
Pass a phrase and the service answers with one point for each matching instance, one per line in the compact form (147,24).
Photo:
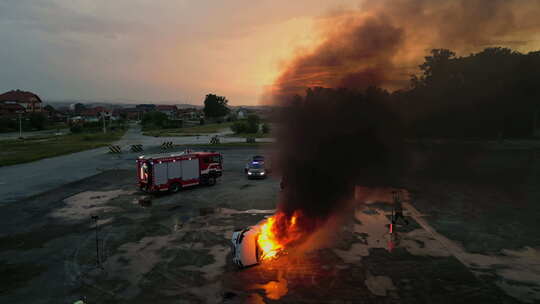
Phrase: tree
(49,108)
(239,127)
(158,119)
(266,128)
(253,122)
(215,106)
(37,120)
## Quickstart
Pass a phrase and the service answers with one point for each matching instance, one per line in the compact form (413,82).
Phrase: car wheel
(211,180)
(174,188)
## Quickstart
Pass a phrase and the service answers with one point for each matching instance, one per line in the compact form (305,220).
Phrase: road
(20,181)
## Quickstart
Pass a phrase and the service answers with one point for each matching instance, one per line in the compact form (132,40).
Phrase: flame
(276,232)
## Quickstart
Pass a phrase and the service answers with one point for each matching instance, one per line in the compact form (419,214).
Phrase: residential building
(30,101)
(11,109)
(146,107)
(170,110)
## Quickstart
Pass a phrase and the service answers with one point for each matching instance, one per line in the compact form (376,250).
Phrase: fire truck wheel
(174,188)
(211,180)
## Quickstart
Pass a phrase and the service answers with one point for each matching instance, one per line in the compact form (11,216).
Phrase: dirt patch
(85,204)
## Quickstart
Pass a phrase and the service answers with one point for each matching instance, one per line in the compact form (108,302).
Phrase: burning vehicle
(265,241)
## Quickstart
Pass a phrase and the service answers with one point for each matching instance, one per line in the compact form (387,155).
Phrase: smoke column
(331,139)
(383,41)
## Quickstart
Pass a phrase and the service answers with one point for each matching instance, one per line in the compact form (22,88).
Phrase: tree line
(491,94)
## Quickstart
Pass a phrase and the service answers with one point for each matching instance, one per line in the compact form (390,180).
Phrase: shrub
(76,129)
(253,122)
(8,124)
(155,118)
(239,127)
(266,128)
(37,120)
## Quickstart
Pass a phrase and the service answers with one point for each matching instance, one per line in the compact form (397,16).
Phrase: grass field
(191,131)
(38,147)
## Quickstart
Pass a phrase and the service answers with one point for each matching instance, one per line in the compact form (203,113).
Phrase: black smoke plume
(331,139)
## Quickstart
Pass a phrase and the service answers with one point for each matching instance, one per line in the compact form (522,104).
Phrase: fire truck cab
(172,172)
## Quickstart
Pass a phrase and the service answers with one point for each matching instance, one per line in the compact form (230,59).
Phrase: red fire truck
(174,171)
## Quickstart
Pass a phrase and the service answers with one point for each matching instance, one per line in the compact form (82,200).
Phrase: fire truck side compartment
(160,173)
(190,169)
(174,169)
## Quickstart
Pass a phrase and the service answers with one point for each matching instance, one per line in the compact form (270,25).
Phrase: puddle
(521,292)
(274,289)
(520,266)
(379,285)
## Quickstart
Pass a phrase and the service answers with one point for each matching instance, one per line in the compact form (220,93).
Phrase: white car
(246,251)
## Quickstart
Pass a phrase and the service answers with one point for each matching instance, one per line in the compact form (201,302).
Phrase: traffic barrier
(136,148)
(250,140)
(115,149)
(214,140)
(166,145)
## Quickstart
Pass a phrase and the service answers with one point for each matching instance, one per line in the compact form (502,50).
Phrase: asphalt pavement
(20,181)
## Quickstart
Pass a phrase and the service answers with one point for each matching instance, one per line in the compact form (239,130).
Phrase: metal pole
(95,218)
(103,118)
(20,125)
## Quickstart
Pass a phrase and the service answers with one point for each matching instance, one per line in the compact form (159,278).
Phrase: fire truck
(175,171)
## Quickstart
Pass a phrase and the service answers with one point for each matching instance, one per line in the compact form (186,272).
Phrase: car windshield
(256,166)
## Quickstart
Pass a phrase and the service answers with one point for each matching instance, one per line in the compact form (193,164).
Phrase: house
(131,114)
(146,107)
(190,114)
(95,114)
(30,101)
(77,107)
(10,108)
(241,113)
(53,114)
(169,110)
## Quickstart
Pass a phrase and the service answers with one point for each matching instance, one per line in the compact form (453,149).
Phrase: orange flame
(277,232)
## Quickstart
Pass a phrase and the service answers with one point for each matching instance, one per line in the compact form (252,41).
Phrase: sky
(153,50)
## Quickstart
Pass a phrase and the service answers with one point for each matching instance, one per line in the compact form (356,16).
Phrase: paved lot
(176,250)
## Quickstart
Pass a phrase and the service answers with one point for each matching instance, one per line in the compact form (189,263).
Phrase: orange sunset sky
(155,51)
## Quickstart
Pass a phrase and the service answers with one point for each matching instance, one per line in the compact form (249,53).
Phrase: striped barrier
(214,140)
(136,148)
(166,145)
(250,140)
(115,149)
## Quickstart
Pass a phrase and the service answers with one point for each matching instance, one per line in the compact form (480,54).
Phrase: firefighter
(398,209)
